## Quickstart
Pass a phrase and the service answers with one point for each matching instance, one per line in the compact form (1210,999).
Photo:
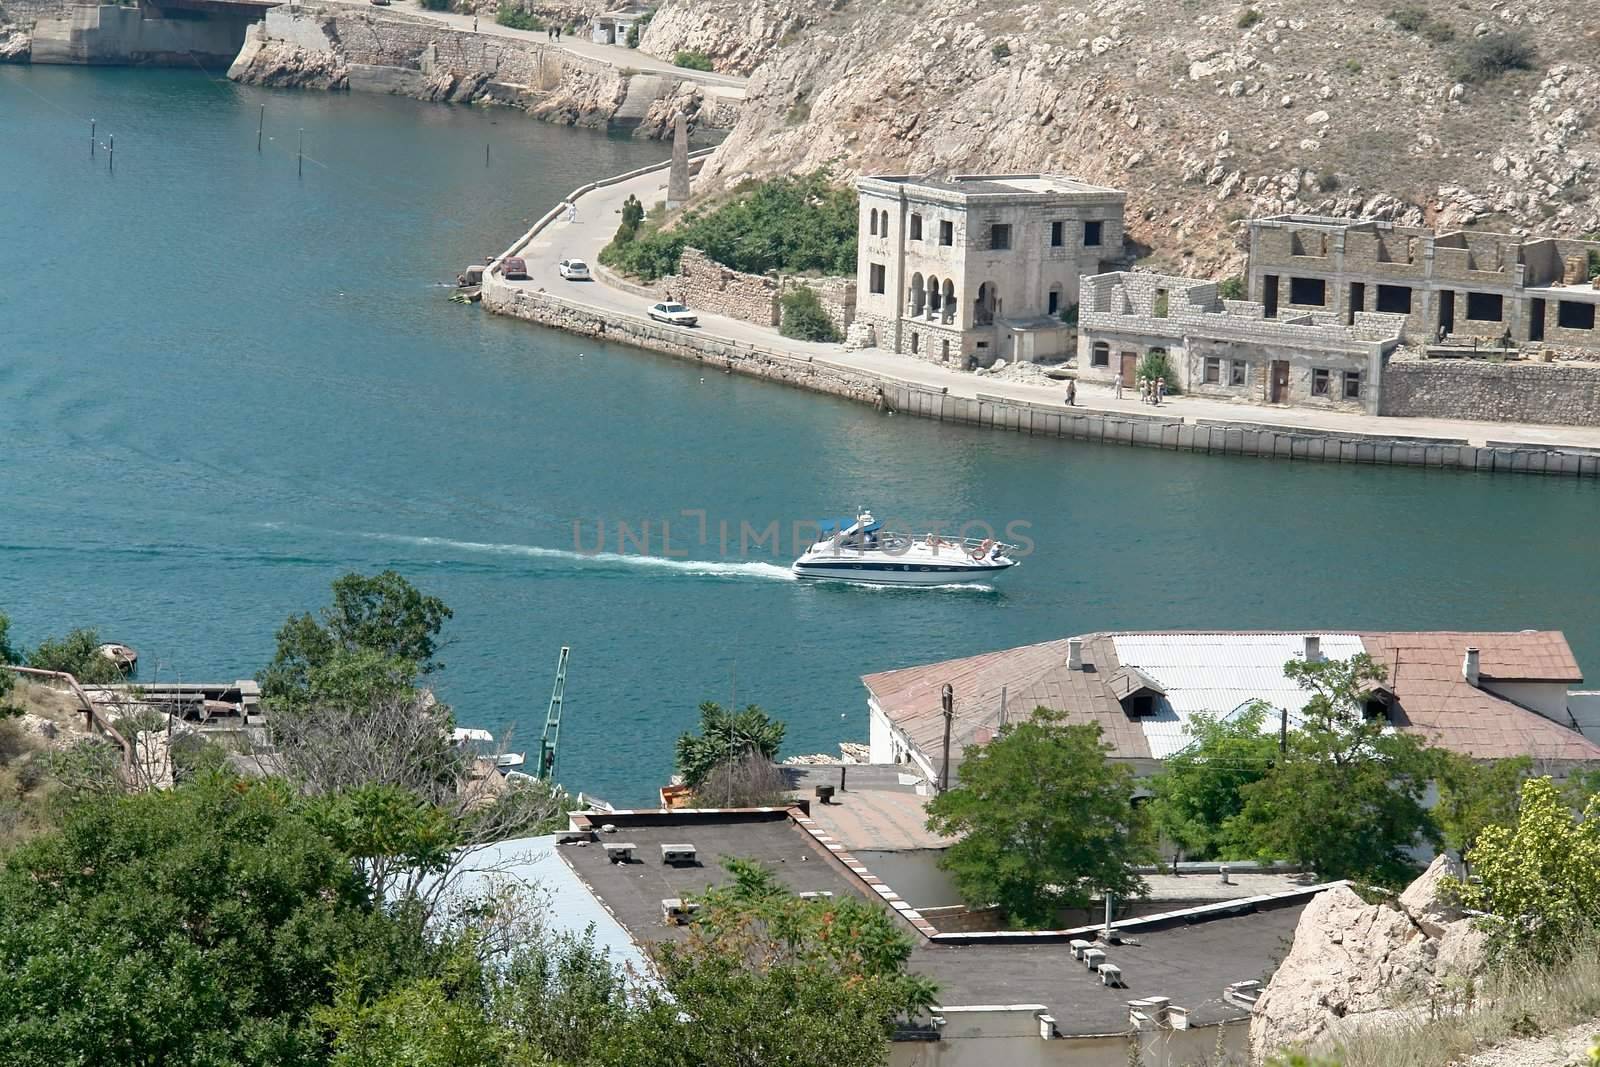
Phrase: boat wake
(588,561)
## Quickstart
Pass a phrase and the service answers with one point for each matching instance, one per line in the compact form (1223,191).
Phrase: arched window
(988,303)
(944,347)
(914,342)
(947,302)
(872,223)
(918,295)
(933,295)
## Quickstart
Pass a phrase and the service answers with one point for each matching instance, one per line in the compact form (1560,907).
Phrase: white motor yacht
(861,550)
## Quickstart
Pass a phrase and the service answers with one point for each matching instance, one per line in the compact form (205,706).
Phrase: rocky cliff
(1205,113)
(1356,965)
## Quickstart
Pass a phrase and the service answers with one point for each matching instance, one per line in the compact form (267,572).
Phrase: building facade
(1463,286)
(1230,349)
(976,268)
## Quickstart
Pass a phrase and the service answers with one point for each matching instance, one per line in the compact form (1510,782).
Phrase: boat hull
(867,573)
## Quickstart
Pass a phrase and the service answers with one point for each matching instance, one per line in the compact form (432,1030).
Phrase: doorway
(1280,381)
(1130,367)
(1447,311)
(1358,301)
(1536,320)
(1269,296)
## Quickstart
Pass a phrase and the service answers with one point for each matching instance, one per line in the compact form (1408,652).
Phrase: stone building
(1230,349)
(1472,286)
(976,268)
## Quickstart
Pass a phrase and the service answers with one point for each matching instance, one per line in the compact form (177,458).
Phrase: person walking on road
(1119,387)
(1072,393)
(1161,390)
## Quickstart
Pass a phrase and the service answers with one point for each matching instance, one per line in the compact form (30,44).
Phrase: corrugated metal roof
(533,863)
(1212,674)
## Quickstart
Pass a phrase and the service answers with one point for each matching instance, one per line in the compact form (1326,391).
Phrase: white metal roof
(1214,674)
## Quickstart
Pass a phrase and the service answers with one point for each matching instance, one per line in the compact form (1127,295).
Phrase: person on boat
(983,549)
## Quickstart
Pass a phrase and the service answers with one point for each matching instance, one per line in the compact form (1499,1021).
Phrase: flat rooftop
(988,186)
(1189,960)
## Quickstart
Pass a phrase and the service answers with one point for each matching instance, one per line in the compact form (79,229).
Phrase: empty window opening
(1141,704)
(1091,232)
(1352,385)
(948,301)
(1484,307)
(1571,315)
(944,351)
(1158,307)
(1100,355)
(1394,299)
(947,233)
(872,223)
(916,227)
(1308,291)
(1054,300)
(1319,381)
(1057,234)
(916,342)
(875,275)
(1269,296)
(1213,374)
(1536,312)
(1236,372)
(1358,301)
(1000,236)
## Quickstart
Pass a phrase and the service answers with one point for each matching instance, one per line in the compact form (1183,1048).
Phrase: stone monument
(678,181)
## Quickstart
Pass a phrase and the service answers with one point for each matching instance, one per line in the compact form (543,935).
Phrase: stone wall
(1558,394)
(837,296)
(706,285)
(114,35)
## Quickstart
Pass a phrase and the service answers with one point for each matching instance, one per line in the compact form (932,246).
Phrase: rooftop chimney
(1469,666)
(1313,648)
(1074,653)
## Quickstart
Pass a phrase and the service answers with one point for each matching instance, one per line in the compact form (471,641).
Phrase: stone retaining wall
(706,285)
(1079,424)
(1559,394)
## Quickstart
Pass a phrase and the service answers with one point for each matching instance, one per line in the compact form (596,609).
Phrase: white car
(673,314)
(574,270)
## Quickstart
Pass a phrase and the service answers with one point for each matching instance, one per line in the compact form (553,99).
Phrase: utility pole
(1283,730)
(947,697)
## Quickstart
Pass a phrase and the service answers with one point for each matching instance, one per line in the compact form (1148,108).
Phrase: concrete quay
(914,387)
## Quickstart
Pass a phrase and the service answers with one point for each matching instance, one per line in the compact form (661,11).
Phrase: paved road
(616,55)
(599,213)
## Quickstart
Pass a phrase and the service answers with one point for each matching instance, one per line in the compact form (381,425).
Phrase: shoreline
(1245,436)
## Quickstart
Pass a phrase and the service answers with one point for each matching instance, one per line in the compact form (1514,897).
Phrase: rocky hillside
(1473,112)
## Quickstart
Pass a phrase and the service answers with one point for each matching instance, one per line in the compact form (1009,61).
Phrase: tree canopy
(726,737)
(373,641)
(77,654)
(1200,790)
(1044,821)
(1347,796)
(792,224)
(1474,795)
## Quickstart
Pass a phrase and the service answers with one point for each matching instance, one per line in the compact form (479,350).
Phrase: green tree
(1044,821)
(195,927)
(8,654)
(373,641)
(804,317)
(1474,795)
(1231,288)
(1156,365)
(767,978)
(77,654)
(414,1025)
(1539,879)
(1200,789)
(1346,798)
(632,219)
(725,737)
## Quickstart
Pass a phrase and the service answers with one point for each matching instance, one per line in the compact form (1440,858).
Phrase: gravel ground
(1568,1048)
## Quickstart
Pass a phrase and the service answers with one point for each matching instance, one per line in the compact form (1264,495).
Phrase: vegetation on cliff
(789,224)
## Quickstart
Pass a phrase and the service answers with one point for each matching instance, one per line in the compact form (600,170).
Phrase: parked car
(574,270)
(673,314)
(379,3)
(515,268)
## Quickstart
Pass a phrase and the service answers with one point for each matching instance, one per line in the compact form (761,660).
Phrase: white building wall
(1585,707)
(1549,699)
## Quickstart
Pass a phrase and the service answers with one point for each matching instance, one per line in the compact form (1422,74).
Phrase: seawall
(371,49)
(821,375)
(1561,394)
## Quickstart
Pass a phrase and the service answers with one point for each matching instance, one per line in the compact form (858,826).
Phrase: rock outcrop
(1357,965)
(15,45)
(282,64)
(1204,113)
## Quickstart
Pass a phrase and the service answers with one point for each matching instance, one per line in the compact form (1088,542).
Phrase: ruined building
(976,268)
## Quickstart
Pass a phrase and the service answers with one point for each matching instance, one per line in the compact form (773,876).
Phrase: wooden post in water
(111,152)
(91,138)
(486,155)
(299,157)
(261,120)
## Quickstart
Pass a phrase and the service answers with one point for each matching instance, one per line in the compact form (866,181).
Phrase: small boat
(126,659)
(482,745)
(861,550)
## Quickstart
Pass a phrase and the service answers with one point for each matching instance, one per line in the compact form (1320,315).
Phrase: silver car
(673,314)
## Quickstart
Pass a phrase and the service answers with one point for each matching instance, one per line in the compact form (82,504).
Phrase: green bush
(1594,264)
(518,19)
(1416,19)
(1001,50)
(1231,288)
(804,318)
(1248,17)
(77,654)
(790,224)
(1486,58)
(1155,365)
(692,61)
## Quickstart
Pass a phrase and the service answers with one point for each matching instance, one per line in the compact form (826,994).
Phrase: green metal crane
(552,722)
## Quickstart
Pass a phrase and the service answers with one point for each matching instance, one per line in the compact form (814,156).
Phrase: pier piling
(111,152)
(261,121)
(300,156)
(91,138)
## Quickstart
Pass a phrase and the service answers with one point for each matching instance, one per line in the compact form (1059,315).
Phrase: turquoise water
(221,387)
